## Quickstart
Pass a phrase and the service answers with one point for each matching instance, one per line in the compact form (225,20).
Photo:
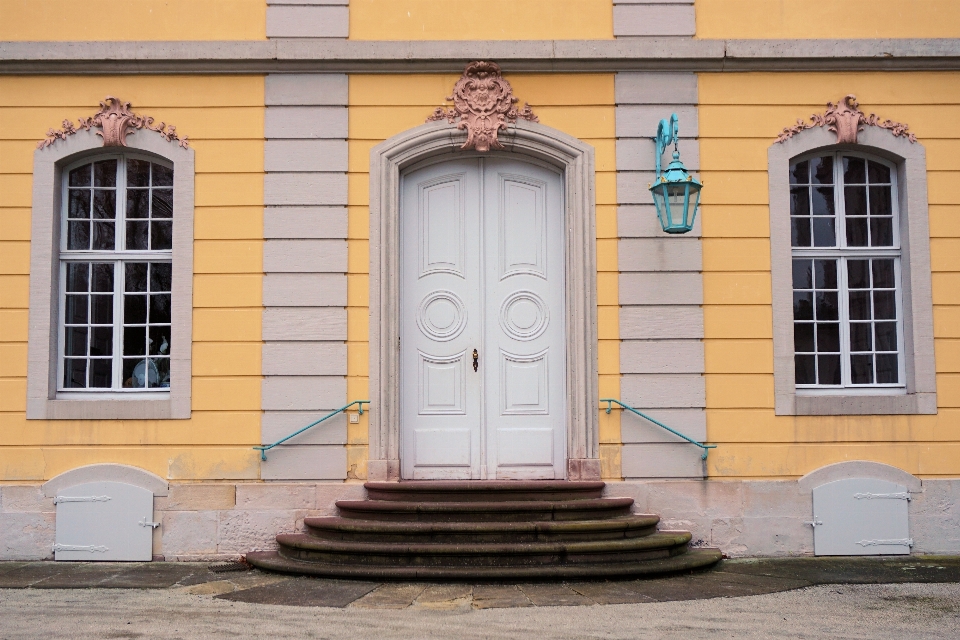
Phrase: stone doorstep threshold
(730,578)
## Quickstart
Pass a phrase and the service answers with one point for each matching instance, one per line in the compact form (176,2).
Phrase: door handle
(476,359)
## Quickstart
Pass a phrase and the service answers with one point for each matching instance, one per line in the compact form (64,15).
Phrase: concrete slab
(390,596)
(610,592)
(490,596)
(842,570)
(553,595)
(305,592)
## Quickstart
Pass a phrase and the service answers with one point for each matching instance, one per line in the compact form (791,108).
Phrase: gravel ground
(833,611)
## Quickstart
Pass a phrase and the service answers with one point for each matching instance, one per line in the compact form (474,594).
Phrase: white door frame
(576,159)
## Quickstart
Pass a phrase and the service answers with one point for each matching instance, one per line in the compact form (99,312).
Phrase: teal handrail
(706,447)
(263,449)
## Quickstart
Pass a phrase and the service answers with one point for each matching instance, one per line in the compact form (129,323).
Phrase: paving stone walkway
(731,578)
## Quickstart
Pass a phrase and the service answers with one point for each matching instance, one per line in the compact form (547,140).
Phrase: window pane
(854,170)
(826,274)
(860,305)
(823,201)
(75,341)
(886,336)
(802,274)
(858,274)
(887,369)
(828,337)
(861,369)
(884,305)
(138,173)
(861,336)
(103,277)
(101,341)
(160,276)
(803,337)
(137,238)
(138,203)
(104,204)
(162,176)
(78,276)
(824,232)
(878,173)
(802,305)
(74,373)
(103,236)
(805,367)
(101,373)
(163,371)
(161,236)
(80,177)
(883,274)
(823,170)
(800,173)
(105,173)
(136,276)
(881,201)
(829,369)
(800,232)
(134,341)
(162,203)
(856,232)
(800,201)
(134,373)
(881,232)
(78,235)
(827,307)
(855,201)
(160,308)
(101,311)
(134,309)
(76,310)
(159,341)
(79,203)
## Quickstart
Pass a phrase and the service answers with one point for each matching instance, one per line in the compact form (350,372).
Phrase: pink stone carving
(846,120)
(115,122)
(484,103)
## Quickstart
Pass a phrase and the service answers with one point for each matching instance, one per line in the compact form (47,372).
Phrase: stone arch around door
(531,140)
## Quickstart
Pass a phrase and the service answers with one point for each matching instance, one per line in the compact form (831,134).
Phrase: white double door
(482,321)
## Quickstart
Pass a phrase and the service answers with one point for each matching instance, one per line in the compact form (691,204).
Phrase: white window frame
(118,257)
(919,393)
(45,400)
(842,252)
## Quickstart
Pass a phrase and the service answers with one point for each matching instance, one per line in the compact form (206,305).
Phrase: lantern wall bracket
(668,132)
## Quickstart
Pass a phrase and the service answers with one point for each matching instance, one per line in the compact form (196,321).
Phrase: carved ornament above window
(484,103)
(847,120)
(115,122)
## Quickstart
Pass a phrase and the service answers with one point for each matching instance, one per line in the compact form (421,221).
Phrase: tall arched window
(847,296)
(116,253)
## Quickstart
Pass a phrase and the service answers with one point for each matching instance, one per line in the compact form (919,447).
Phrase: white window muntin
(118,257)
(842,252)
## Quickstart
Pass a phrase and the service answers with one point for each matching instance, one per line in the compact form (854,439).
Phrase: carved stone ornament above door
(115,122)
(484,103)
(846,120)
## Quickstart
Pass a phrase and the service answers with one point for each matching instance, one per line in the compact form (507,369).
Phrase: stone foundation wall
(217,521)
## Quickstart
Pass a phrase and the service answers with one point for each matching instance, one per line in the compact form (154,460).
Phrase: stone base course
(219,521)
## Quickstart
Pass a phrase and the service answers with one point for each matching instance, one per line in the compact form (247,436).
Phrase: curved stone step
(692,559)
(482,490)
(309,548)
(502,511)
(335,528)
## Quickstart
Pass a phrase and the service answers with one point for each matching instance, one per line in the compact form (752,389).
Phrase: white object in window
(847,297)
(116,275)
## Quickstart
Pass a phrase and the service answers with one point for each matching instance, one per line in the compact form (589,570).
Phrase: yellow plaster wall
(740,116)
(133,20)
(828,19)
(487,20)
(223,117)
(382,106)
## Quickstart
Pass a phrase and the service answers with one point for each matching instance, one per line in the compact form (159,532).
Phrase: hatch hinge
(92,548)
(60,499)
(145,523)
(903,495)
(900,542)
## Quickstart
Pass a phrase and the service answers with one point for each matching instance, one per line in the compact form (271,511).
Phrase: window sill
(832,404)
(111,406)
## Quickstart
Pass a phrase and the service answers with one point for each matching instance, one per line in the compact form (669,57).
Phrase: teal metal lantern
(675,192)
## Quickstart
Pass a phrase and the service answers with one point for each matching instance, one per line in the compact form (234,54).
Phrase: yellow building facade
(287,111)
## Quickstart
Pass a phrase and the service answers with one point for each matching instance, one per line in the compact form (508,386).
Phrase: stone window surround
(534,140)
(910,160)
(43,400)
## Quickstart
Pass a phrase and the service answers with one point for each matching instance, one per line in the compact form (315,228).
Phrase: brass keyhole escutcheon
(476,359)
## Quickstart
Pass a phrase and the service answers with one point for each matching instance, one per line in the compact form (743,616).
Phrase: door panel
(482,269)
